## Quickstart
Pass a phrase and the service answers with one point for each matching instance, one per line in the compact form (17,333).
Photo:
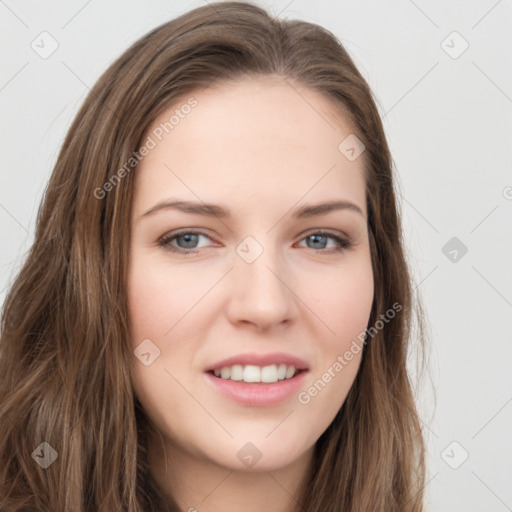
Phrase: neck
(199,485)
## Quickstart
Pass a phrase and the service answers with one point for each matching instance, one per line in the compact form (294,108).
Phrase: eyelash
(166,240)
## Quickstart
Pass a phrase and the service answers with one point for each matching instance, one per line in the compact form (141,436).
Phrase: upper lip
(260,360)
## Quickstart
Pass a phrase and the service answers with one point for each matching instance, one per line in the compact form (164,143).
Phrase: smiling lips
(252,373)
(253,367)
(256,379)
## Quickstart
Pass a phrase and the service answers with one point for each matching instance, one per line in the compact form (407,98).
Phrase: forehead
(250,140)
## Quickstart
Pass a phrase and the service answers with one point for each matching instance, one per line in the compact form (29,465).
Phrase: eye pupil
(315,239)
(189,238)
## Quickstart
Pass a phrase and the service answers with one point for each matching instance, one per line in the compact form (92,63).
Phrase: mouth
(250,374)
(257,380)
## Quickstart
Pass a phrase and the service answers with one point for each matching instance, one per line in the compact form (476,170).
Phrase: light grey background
(448,118)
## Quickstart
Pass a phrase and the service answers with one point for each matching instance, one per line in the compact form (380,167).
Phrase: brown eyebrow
(214,210)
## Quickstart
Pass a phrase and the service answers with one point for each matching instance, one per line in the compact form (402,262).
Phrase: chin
(260,454)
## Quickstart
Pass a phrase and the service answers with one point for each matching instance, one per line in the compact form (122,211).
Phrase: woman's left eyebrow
(327,207)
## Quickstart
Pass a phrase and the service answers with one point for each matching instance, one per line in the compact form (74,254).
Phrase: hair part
(65,357)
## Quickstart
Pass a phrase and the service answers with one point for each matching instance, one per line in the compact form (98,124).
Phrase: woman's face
(247,277)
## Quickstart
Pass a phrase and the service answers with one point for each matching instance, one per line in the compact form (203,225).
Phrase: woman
(215,311)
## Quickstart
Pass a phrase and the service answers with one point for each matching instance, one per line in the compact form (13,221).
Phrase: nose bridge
(261,291)
(257,264)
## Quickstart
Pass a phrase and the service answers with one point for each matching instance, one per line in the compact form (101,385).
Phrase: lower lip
(257,394)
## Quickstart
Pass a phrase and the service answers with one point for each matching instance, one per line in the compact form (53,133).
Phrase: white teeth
(252,373)
(237,372)
(269,373)
(290,371)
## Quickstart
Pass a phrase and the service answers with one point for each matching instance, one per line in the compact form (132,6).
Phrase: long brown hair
(65,355)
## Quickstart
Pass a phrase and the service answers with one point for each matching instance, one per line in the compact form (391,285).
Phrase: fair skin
(262,151)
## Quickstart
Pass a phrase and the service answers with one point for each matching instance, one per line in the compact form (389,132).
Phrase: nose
(262,292)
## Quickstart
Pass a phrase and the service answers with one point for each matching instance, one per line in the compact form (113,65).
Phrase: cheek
(159,297)
(344,305)
(343,301)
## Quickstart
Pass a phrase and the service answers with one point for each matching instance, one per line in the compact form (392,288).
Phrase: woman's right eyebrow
(198,208)
(215,210)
